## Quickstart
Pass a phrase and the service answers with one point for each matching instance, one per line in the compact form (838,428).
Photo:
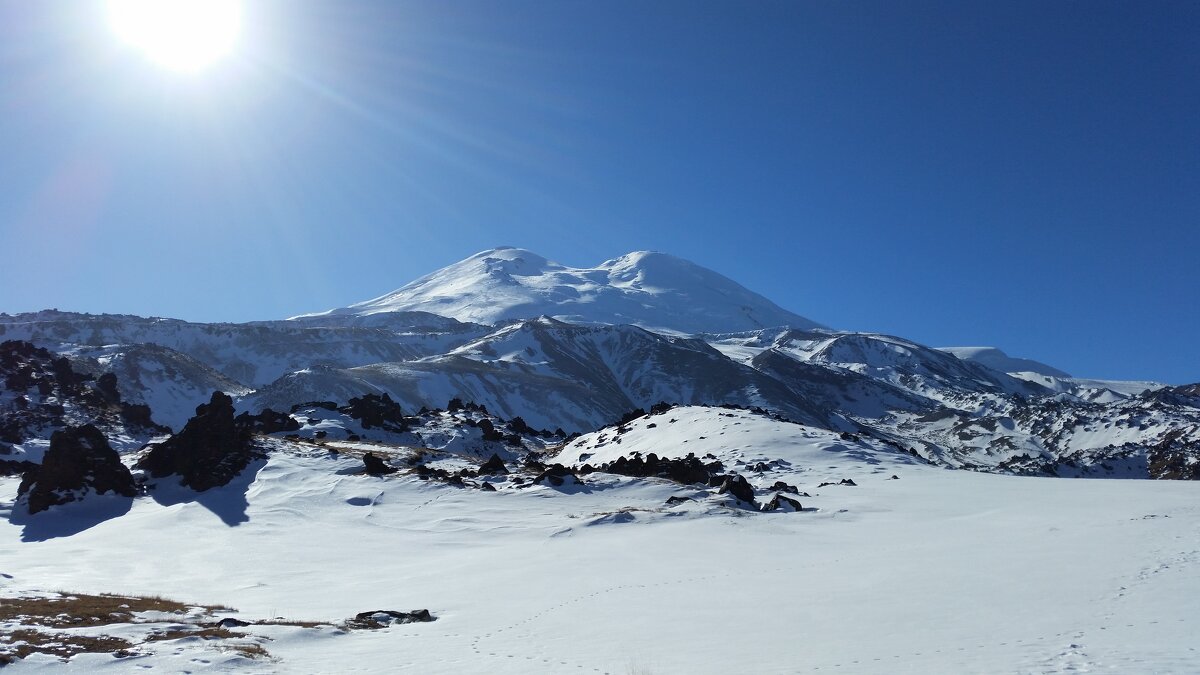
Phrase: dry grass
(18,644)
(251,650)
(72,610)
(39,622)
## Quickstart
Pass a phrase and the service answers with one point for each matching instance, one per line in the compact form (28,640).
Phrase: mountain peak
(645,288)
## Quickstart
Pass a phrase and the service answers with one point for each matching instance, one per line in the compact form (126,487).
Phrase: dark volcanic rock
(687,470)
(373,410)
(13,467)
(1173,459)
(375,465)
(782,503)
(737,486)
(556,475)
(381,618)
(784,487)
(268,422)
(676,499)
(79,460)
(493,466)
(210,451)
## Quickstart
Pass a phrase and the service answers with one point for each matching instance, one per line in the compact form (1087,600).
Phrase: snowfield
(933,571)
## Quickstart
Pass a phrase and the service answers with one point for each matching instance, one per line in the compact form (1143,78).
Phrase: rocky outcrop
(493,466)
(78,461)
(375,411)
(1173,458)
(687,470)
(738,486)
(557,475)
(781,502)
(210,451)
(268,422)
(382,618)
(375,466)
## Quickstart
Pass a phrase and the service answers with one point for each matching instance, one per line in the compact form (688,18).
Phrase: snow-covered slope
(251,354)
(170,382)
(653,290)
(556,374)
(932,571)
(999,361)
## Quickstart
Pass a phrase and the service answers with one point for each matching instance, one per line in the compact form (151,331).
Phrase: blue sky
(1018,174)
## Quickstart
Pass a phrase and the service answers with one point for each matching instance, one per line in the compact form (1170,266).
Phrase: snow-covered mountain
(593,430)
(996,359)
(632,332)
(652,290)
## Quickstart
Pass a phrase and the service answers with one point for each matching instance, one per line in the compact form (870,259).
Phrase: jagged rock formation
(79,461)
(210,451)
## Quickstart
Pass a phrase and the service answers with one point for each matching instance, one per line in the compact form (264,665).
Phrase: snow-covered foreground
(935,571)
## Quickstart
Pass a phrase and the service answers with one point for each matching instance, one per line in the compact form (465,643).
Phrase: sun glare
(182,35)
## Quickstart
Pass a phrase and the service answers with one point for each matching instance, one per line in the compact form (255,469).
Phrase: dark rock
(556,475)
(210,451)
(518,426)
(324,405)
(844,481)
(13,467)
(676,499)
(79,459)
(781,503)
(894,477)
(381,618)
(487,487)
(373,410)
(688,470)
(268,422)
(490,433)
(784,487)
(493,466)
(230,622)
(107,386)
(375,465)
(737,486)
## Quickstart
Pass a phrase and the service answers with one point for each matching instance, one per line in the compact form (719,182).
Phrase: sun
(180,35)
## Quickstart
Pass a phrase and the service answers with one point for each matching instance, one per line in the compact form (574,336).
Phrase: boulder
(556,475)
(210,451)
(493,466)
(782,503)
(382,618)
(781,486)
(268,422)
(375,466)
(373,410)
(78,461)
(736,485)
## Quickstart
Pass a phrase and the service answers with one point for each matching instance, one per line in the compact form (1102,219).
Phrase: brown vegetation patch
(20,643)
(78,609)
